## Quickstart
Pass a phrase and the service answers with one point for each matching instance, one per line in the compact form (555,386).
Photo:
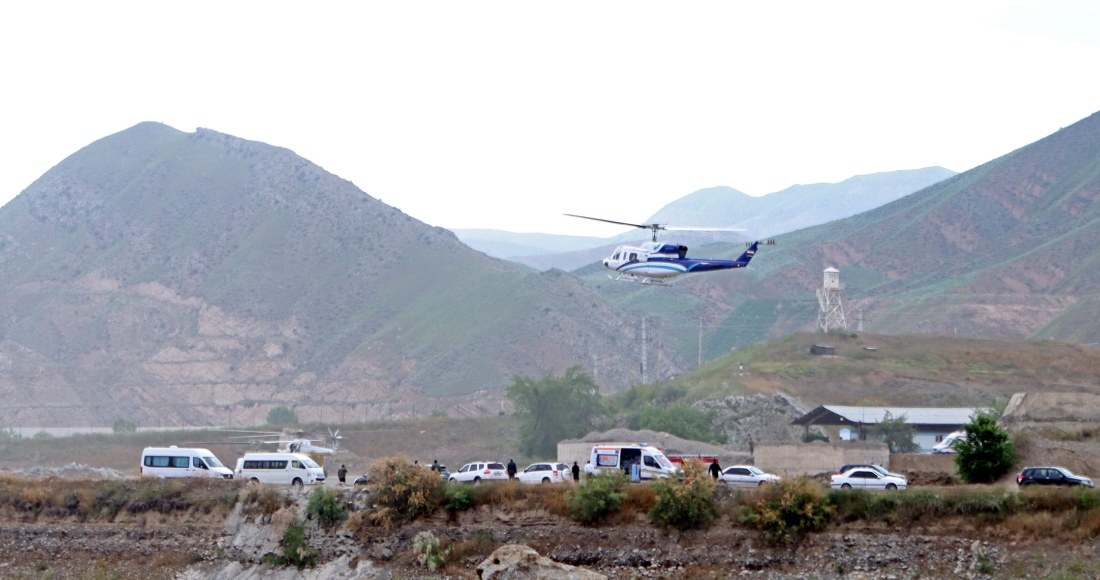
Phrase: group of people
(576,470)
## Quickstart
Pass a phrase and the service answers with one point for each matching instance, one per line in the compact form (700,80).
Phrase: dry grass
(99,499)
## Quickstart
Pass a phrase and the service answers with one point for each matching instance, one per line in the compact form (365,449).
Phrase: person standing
(714,468)
(435,465)
(511,469)
(589,470)
(576,473)
(342,473)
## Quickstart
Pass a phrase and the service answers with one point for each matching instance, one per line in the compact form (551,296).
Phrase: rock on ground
(765,419)
(518,562)
(343,568)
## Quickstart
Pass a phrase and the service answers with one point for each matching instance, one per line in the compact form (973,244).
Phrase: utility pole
(645,377)
(700,341)
(658,360)
(596,370)
(860,320)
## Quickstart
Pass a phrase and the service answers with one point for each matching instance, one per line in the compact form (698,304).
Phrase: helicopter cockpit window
(615,257)
(633,257)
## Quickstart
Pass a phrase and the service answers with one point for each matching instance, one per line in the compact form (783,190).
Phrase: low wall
(818,457)
(905,463)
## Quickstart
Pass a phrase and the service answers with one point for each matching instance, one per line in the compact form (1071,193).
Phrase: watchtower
(830,316)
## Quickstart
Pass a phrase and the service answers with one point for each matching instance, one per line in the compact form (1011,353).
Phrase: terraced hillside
(1010,249)
(186,278)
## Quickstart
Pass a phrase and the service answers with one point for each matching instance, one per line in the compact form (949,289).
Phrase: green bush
(896,432)
(682,421)
(123,426)
(296,551)
(599,497)
(282,416)
(788,510)
(458,497)
(811,436)
(687,504)
(987,452)
(326,507)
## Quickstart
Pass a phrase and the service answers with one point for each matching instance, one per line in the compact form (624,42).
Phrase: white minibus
(280,469)
(175,461)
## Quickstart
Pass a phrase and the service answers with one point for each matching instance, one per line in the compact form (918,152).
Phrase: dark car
(1050,476)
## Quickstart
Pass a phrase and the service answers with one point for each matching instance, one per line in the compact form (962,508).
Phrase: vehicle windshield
(663,461)
(212,462)
(880,468)
(1065,471)
(310,463)
(755,471)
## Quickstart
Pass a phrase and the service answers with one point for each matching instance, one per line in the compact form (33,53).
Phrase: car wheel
(477,481)
(762,484)
(545,480)
(453,480)
(254,481)
(297,482)
(891,487)
(846,486)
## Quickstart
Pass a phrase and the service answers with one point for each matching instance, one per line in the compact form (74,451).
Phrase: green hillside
(156,265)
(910,370)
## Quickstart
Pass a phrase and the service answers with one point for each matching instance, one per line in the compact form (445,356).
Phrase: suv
(476,472)
(1050,476)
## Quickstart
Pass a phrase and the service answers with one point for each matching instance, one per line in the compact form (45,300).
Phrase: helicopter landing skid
(639,280)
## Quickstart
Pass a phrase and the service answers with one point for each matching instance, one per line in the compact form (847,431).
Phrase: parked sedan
(746,476)
(861,478)
(480,471)
(1050,476)
(877,468)
(545,473)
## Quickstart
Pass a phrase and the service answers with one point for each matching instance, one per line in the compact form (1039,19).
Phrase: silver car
(863,478)
(746,476)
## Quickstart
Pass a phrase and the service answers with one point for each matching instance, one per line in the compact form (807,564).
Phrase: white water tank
(832,278)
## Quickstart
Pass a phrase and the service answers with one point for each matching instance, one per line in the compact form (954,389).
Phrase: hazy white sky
(507,114)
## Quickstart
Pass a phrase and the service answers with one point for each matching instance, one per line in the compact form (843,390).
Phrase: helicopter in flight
(656,263)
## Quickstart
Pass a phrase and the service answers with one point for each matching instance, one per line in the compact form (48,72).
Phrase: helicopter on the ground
(654,262)
(288,441)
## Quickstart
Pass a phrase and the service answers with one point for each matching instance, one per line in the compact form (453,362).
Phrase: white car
(545,473)
(480,471)
(746,476)
(863,478)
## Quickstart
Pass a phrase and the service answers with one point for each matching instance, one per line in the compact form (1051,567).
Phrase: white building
(930,424)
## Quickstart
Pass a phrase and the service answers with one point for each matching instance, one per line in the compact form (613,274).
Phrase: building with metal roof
(930,424)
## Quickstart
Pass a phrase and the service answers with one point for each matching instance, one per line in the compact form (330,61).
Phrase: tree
(123,426)
(554,408)
(282,416)
(895,432)
(987,452)
(681,421)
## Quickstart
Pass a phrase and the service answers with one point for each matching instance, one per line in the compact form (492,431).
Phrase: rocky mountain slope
(190,278)
(1009,249)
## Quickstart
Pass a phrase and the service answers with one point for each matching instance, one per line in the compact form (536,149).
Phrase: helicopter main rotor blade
(642,226)
(672,229)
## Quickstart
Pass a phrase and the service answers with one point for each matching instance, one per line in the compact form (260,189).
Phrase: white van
(948,443)
(653,463)
(280,469)
(181,462)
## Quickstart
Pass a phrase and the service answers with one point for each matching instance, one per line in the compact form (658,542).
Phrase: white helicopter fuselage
(651,260)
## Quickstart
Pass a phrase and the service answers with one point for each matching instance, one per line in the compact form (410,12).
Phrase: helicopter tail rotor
(761,242)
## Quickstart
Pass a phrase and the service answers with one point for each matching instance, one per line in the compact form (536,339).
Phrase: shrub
(599,497)
(896,432)
(264,500)
(811,436)
(687,504)
(296,551)
(682,421)
(282,416)
(987,452)
(123,426)
(428,552)
(788,510)
(403,491)
(325,505)
(458,498)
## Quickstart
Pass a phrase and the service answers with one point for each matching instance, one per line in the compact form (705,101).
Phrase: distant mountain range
(195,278)
(1009,249)
(794,208)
